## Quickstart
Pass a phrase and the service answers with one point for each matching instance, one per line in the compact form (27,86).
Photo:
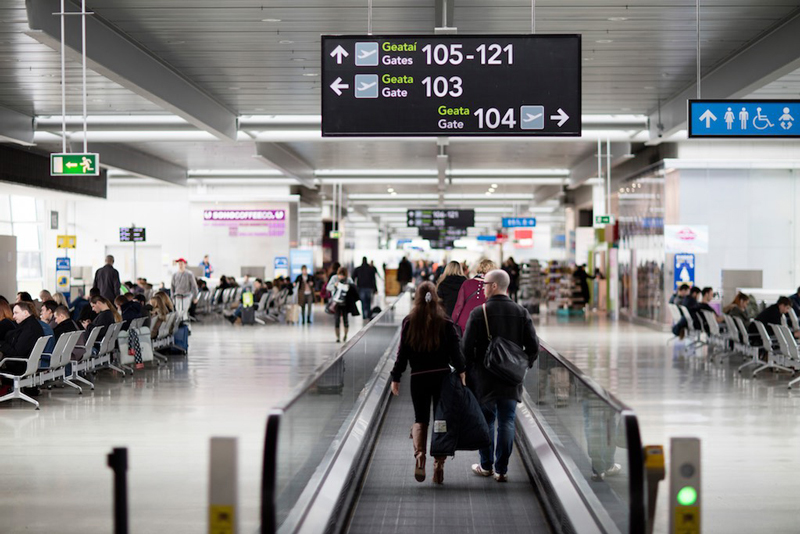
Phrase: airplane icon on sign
(366,53)
(529,117)
(364,86)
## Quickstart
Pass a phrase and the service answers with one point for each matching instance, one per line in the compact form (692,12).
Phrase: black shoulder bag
(504,359)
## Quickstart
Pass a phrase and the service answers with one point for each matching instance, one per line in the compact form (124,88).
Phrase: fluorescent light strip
(233,173)
(434,196)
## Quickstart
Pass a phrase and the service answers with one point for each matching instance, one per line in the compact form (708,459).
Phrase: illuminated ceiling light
(270,20)
(494,186)
(310,74)
(285,42)
(604,41)
(617,19)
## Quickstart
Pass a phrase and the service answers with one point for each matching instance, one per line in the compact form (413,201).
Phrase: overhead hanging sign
(687,239)
(66,241)
(135,235)
(441,218)
(744,118)
(603,220)
(453,85)
(74,164)
(519,222)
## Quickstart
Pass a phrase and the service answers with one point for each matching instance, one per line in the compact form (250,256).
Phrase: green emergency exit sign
(603,219)
(74,165)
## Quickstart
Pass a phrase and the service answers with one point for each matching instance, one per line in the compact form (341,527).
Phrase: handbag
(504,359)
(330,307)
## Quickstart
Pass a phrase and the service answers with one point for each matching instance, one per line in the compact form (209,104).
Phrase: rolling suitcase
(181,337)
(293,314)
(249,315)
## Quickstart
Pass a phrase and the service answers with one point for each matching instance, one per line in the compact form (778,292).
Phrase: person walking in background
(208,270)
(429,342)
(581,277)
(512,269)
(305,294)
(504,318)
(183,289)
(470,295)
(343,296)
(448,286)
(106,279)
(364,276)
(405,273)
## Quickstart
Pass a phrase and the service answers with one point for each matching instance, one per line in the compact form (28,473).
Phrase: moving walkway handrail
(272,432)
(637,495)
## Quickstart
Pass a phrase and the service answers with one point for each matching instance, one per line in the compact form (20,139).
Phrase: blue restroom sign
(744,118)
(684,270)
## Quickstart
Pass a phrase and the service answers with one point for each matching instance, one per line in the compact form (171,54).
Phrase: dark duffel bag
(458,423)
(504,359)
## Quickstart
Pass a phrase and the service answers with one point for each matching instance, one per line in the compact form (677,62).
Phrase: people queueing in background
(364,277)
(184,289)
(405,273)
(582,279)
(506,319)
(305,294)
(512,269)
(429,342)
(422,272)
(738,308)
(7,323)
(106,279)
(208,270)
(19,342)
(471,294)
(344,297)
(448,285)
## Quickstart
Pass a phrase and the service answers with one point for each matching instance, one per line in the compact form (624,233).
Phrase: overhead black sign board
(451,85)
(127,235)
(441,218)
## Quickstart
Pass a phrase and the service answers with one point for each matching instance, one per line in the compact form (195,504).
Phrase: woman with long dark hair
(430,343)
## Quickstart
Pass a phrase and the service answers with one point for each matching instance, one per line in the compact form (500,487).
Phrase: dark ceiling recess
(24,167)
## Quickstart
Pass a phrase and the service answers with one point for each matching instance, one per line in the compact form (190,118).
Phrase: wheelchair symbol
(761,122)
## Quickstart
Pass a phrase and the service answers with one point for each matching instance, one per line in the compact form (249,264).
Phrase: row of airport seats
(271,307)
(71,363)
(778,350)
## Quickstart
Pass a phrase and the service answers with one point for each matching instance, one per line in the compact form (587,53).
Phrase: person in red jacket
(471,296)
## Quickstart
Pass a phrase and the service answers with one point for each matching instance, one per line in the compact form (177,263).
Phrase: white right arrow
(561,117)
(339,53)
(337,86)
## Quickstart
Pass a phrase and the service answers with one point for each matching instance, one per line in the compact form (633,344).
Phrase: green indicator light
(687,496)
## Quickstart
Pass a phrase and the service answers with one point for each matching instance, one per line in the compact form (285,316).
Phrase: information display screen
(441,218)
(127,235)
(451,85)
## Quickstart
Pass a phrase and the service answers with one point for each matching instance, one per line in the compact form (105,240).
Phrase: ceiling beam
(16,127)
(113,54)
(762,62)
(587,168)
(135,162)
(286,160)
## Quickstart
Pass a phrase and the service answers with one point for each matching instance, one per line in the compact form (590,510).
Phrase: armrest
(4,360)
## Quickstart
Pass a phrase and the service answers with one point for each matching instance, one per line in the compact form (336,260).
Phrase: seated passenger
(48,331)
(708,296)
(772,315)
(20,342)
(738,308)
(158,315)
(87,313)
(106,316)
(128,308)
(796,301)
(678,296)
(60,299)
(79,303)
(45,295)
(163,296)
(237,313)
(691,303)
(64,323)
(7,323)
(48,312)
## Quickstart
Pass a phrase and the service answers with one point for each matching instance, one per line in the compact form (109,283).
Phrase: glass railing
(596,437)
(302,432)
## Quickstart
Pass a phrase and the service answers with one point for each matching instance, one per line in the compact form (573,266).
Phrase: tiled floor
(749,428)
(53,474)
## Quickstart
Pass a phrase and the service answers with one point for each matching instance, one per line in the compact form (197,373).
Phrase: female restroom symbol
(729,118)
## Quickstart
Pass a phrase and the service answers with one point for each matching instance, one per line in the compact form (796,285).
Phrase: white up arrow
(708,117)
(337,86)
(339,53)
(561,117)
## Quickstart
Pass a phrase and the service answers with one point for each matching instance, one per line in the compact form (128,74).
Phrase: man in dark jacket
(771,315)
(404,273)
(64,324)
(499,399)
(106,279)
(364,277)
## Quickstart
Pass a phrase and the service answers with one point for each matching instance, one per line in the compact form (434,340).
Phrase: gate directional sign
(74,164)
(451,85)
(744,118)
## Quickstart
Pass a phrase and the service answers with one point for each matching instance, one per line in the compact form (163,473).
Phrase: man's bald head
(496,283)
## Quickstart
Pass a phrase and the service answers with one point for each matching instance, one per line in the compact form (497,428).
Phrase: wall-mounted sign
(453,85)
(685,238)
(281,266)
(517,222)
(248,223)
(132,235)
(74,164)
(54,220)
(603,220)
(299,257)
(66,241)
(62,281)
(441,218)
(744,118)
(684,270)
(63,264)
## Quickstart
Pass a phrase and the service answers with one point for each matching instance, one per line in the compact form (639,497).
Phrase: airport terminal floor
(55,475)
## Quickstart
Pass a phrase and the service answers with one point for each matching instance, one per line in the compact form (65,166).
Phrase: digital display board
(441,218)
(128,235)
(451,85)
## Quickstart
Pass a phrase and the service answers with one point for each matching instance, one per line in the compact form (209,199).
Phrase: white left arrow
(70,165)
(339,53)
(561,117)
(337,86)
